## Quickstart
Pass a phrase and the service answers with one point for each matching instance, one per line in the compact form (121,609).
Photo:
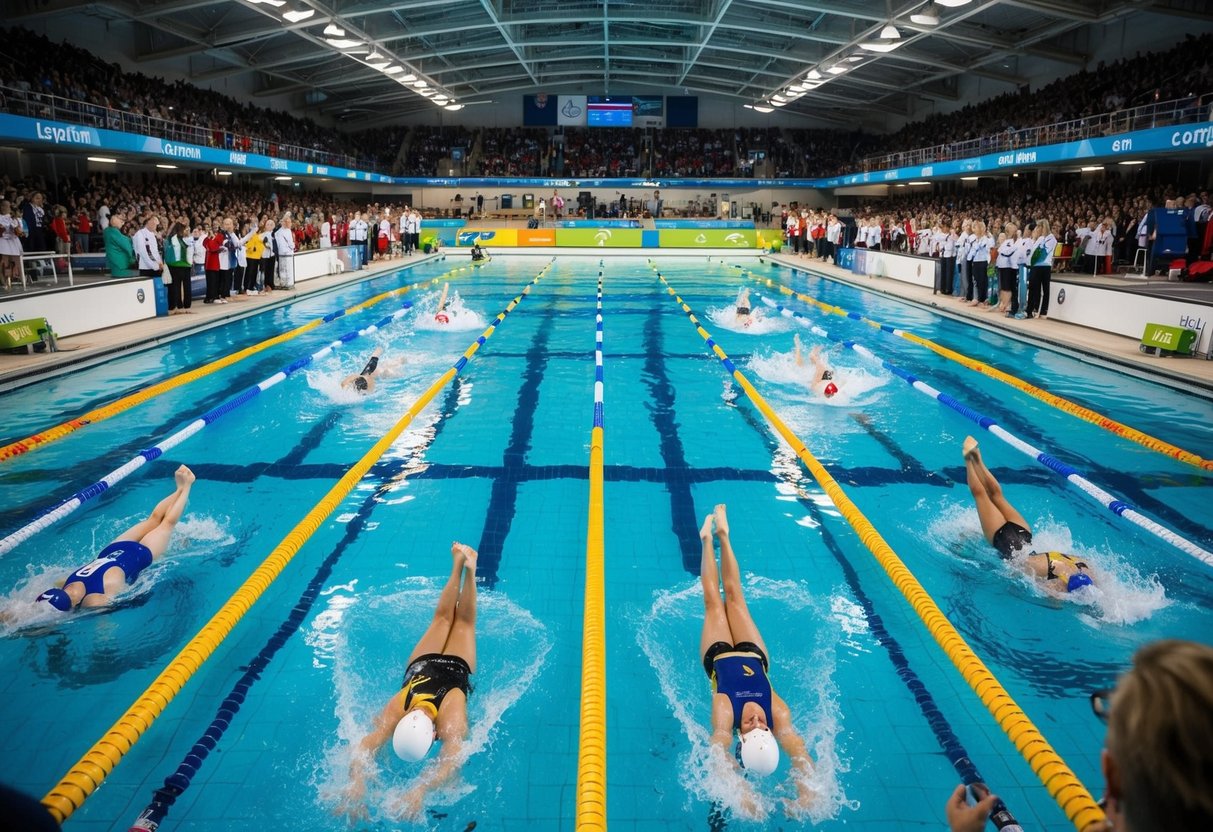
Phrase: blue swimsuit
(742,678)
(132,558)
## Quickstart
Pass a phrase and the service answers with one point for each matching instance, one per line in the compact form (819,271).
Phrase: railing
(1158,114)
(36,104)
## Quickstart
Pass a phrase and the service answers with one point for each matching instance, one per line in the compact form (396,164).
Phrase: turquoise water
(499,461)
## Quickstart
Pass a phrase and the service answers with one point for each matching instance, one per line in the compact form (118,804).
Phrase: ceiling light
(837,70)
(298,17)
(376,64)
(748,106)
(422,84)
(779,98)
(811,87)
(953,4)
(393,69)
(453,106)
(223,173)
(334,30)
(762,108)
(1133,162)
(106,159)
(282,179)
(426,93)
(969,178)
(927,17)
(274,3)
(343,43)
(900,185)
(878,46)
(440,100)
(406,78)
(813,75)
(167,167)
(855,58)
(374,56)
(918,183)
(777,103)
(890,33)
(795,88)
(1092,168)
(796,96)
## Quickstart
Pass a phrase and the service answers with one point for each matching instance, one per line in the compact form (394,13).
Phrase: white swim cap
(759,751)
(413,737)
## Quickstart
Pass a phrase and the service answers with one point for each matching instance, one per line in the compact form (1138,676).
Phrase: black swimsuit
(429,678)
(743,310)
(1011,538)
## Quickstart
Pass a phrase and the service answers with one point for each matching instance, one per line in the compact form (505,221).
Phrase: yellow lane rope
(591,746)
(1107,423)
(1071,795)
(104,412)
(91,770)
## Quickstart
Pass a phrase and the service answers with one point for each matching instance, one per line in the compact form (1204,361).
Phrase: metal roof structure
(376,60)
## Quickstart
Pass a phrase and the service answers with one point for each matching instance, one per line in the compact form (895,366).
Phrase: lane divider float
(1085,413)
(125,403)
(1117,506)
(591,745)
(1058,779)
(70,793)
(49,516)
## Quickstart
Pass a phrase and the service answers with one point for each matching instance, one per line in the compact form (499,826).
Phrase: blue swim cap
(58,599)
(1077,580)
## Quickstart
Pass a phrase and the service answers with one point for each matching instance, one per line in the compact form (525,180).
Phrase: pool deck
(89,348)
(1194,375)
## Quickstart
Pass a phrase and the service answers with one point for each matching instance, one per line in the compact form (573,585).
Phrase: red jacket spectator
(213,245)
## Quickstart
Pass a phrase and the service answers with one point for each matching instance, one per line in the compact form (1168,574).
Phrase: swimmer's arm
(452,728)
(799,357)
(722,721)
(353,803)
(793,746)
(348,380)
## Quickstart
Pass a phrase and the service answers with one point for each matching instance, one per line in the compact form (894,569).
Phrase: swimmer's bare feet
(970,447)
(467,553)
(705,531)
(722,521)
(184,477)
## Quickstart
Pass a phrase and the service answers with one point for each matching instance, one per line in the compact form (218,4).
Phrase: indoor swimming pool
(499,460)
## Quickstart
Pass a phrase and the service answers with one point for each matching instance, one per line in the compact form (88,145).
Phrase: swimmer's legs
(741,623)
(157,538)
(992,507)
(462,640)
(439,630)
(715,620)
(141,529)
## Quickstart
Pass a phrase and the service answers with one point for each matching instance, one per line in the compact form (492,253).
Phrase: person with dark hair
(177,256)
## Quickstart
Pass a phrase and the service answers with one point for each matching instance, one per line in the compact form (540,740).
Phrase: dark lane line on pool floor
(662,414)
(503,497)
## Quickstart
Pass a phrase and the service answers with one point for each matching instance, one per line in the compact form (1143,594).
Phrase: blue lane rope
(53,514)
(1117,506)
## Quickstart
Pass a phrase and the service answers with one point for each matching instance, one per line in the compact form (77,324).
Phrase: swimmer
(736,660)
(744,315)
(364,381)
(1008,532)
(432,702)
(119,564)
(823,383)
(478,254)
(442,316)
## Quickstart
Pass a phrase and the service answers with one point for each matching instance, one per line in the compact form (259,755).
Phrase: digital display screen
(609,110)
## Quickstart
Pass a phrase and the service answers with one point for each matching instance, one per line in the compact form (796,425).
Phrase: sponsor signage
(708,238)
(599,238)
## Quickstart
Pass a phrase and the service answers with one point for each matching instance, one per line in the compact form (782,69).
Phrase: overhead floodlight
(779,98)
(795,96)
(406,78)
(343,43)
(890,33)
(334,30)
(853,58)
(283,178)
(453,107)
(1132,162)
(879,46)
(813,75)
(969,178)
(298,17)
(836,70)
(775,103)
(748,106)
(427,93)
(953,4)
(376,64)
(1092,168)
(421,84)
(763,108)
(797,88)
(927,17)
(167,167)
(393,69)
(918,183)
(104,159)
(274,3)
(223,173)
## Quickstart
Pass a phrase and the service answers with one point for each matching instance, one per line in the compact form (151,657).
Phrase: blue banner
(704,223)
(443,223)
(844,258)
(51,134)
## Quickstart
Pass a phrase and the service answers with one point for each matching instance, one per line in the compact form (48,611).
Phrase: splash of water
(461,318)
(856,386)
(760,322)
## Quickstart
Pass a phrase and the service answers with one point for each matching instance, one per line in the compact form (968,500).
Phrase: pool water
(499,461)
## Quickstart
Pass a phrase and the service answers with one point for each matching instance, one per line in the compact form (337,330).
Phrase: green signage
(708,238)
(599,237)
(1170,338)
